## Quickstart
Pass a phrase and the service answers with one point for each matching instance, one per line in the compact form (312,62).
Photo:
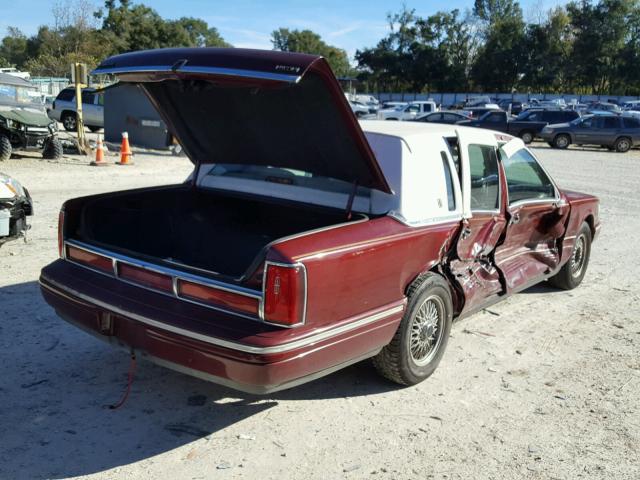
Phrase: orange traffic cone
(125,151)
(99,161)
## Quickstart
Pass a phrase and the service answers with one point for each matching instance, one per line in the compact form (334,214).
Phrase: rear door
(588,130)
(536,217)
(483,216)
(611,129)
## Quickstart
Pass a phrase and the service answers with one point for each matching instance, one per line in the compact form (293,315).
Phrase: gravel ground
(543,386)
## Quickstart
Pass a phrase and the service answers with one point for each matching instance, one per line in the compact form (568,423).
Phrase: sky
(348,24)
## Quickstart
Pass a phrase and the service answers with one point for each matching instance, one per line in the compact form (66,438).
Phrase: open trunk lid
(254,107)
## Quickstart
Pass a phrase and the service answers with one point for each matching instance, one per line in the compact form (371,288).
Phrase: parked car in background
(603,107)
(391,105)
(314,243)
(477,112)
(360,110)
(478,101)
(64,109)
(501,121)
(409,111)
(615,132)
(515,107)
(548,116)
(15,206)
(631,105)
(24,124)
(442,117)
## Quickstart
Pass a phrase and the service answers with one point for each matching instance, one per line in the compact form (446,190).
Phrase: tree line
(586,46)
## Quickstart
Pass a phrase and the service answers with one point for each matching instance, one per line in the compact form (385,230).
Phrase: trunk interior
(207,230)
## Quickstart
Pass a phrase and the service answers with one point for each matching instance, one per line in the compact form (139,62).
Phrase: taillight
(61,234)
(217,297)
(90,259)
(285,292)
(145,277)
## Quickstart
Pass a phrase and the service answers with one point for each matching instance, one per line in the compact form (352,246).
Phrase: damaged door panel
(537,217)
(484,222)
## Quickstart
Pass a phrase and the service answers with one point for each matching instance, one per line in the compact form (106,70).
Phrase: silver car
(64,109)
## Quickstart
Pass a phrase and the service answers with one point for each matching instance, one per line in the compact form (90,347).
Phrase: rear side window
(611,122)
(451,199)
(88,97)
(66,94)
(631,122)
(483,166)
(525,178)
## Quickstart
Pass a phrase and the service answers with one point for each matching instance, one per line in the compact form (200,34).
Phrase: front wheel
(52,149)
(527,137)
(572,273)
(5,148)
(420,341)
(561,141)
(70,121)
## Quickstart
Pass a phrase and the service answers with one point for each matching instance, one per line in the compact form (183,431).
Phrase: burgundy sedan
(305,241)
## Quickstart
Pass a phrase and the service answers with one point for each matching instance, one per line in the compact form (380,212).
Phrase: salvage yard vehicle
(15,207)
(616,132)
(501,121)
(64,109)
(442,117)
(298,248)
(24,124)
(409,111)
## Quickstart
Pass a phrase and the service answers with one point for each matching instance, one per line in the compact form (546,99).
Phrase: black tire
(562,141)
(622,145)
(5,148)
(527,136)
(94,129)
(397,361)
(69,121)
(572,273)
(52,149)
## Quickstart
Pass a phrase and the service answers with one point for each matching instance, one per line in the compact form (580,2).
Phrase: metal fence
(50,85)
(453,98)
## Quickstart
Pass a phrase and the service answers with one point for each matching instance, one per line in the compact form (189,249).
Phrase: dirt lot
(543,386)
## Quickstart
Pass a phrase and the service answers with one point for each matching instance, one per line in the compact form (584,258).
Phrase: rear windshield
(284,176)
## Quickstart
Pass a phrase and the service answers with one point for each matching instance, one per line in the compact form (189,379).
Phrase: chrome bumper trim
(286,347)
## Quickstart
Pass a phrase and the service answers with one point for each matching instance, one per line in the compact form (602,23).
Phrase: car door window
(450,118)
(535,117)
(436,117)
(495,117)
(483,166)
(412,109)
(526,180)
(88,97)
(631,122)
(100,99)
(610,123)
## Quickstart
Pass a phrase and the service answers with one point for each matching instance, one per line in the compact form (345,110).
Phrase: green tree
(14,48)
(306,41)
(500,61)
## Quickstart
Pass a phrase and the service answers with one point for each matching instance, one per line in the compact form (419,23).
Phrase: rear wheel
(52,149)
(69,121)
(623,144)
(526,136)
(420,341)
(561,141)
(5,148)
(572,273)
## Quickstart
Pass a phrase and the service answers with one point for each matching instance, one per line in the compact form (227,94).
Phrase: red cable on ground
(132,370)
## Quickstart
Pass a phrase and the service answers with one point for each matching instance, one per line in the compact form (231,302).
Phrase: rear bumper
(250,357)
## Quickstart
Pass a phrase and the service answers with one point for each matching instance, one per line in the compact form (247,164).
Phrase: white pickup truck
(409,111)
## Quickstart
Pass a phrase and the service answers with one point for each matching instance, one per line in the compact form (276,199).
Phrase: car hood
(29,116)
(254,107)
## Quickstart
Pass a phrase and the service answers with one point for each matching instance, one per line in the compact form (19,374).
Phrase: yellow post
(83,146)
